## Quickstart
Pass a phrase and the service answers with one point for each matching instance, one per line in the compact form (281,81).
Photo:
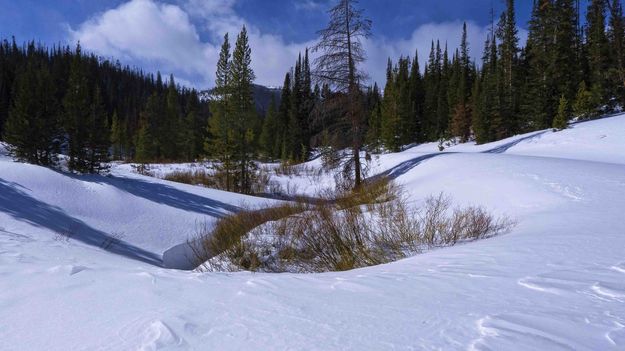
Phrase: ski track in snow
(556,282)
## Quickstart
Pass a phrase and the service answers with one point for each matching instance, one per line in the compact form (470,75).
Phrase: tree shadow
(163,194)
(23,207)
(404,167)
(503,148)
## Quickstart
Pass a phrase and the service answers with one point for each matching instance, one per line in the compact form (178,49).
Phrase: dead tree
(341,51)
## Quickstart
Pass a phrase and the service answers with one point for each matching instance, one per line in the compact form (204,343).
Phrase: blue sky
(182,36)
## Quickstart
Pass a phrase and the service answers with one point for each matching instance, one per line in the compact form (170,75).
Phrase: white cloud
(166,37)
(379,49)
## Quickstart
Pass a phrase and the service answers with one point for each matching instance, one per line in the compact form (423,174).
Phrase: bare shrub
(260,180)
(348,230)
(143,169)
(66,235)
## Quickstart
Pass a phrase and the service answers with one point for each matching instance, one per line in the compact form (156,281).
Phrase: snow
(556,282)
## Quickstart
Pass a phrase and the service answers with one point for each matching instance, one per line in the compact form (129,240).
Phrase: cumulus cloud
(167,37)
(145,31)
(448,33)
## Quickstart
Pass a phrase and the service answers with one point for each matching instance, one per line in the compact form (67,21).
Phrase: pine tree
(390,123)
(284,115)
(560,121)
(117,137)
(616,37)
(538,101)
(97,142)
(32,127)
(508,56)
(172,131)
(417,96)
(267,137)
(146,144)
(221,144)
(374,131)
(242,107)
(342,52)
(461,116)
(442,108)
(586,102)
(76,106)
(597,50)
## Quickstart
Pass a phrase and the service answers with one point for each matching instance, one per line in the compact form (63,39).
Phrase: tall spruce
(98,141)
(616,37)
(241,103)
(32,128)
(598,51)
(507,34)
(220,145)
(77,111)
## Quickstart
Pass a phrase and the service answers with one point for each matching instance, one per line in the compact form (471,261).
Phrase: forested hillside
(62,100)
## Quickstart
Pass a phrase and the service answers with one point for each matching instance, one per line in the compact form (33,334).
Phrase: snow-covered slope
(556,282)
(143,215)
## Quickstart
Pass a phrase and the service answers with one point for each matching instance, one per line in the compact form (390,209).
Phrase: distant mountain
(262,96)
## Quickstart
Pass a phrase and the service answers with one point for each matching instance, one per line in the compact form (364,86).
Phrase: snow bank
(556,282)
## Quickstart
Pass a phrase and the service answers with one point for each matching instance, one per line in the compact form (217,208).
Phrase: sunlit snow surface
(556,282)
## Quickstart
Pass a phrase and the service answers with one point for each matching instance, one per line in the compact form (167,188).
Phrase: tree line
(62,101)
(92,109)
(566,70)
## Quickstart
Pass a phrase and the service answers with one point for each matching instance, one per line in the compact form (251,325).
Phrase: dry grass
(260,180)
(341,231)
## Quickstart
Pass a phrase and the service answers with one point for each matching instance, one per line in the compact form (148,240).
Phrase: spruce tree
(242,108)
(98,136)
(32,128)
(507,34)
(146,143)
(390,123)
(597,50)
(267,137)
(284,115)
(77,110)
(561,120)
(461,116)
(616,37)
(220,145)
(117,137)
(417,96)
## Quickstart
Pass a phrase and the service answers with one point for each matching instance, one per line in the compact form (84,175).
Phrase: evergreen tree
(461,120)
(616,37)
(268,134)
(390,123)
(284,115)
(116,138)
(597,50)
(374,131)
(507,34)
(32,127)
(586,102)
(442,108)
(242,109)
(342,53)
(560,121)
(221,144)
(417,96)
(97,142)
(146,144)
(77,111)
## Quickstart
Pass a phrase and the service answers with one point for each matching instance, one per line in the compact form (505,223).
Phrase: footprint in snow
(158,336)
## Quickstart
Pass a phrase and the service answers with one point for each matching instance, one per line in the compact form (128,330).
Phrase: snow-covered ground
(556,282)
